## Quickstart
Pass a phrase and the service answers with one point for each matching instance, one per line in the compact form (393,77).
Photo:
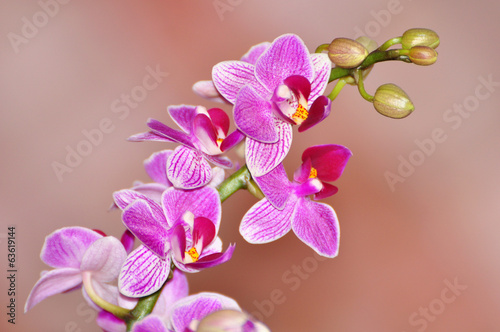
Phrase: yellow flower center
(314,173)
(219,141)
(193,253)
(300,114)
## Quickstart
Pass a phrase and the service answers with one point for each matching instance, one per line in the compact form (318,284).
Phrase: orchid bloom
(284,87)
(158,226)
(202,134)
(78,255)
(287,205)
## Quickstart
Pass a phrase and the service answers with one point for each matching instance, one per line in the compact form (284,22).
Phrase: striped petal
(150,323)
(187,169)
(230,76)
(276,186)
(322,68)
(183,116)
(255,52)
(104,259)
(156,167)
(143,273)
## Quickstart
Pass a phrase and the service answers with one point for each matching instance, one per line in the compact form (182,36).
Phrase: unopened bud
(347,53)
(419,37)
(391,101)
(422,55)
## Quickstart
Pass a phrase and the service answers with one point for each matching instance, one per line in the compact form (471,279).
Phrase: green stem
(361,86)
(337,88)
(241,179)
(389,43)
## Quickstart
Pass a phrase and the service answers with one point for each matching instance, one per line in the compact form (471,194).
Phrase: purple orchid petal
(230,76)
(156,167)
(232,140)
(151,190)
(204,202)
(176,289)
(322,68)
(203,232)
(263,157)
(196,307)
(220,121)
(285,57)
(163,130)
(149,136)
(178,242)
(104,259)
(223,162)
(230,320)
(204,132)
(310,187)
(299,85)
(125,197)
(319,110)
(143,273)
(66,246)
(206,89)
(316,225)
(254,116)
(303,172)
(149,227)
(218,176)
(255,52)
(105,291)
(110,323)
(127,241)
(276,186)
(327,191)
(150,323)
(264,223)
(209,260)
(329,160)
(187,169)
(183,116)
(53,282)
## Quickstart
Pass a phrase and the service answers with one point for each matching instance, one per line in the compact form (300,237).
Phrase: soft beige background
(399,248)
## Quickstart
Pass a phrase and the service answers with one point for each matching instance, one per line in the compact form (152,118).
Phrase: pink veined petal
(163,130)
(150,323)
(149,228)
(176,289)
(299,85)
(149,136)
(327,191)
(156,167)
(303,172)
(276,186)
(264,157)
(264,223)
(206,89)
(203,233)
(178,243)
(255,52)
(319,110)
(51,283)
(230,76)
(329,160)
(220,121)
(322,68)
(232,140)
(183,116)
(285,57)
(203,202)
(208,261)
(127,241)
(316,225)
(125,197)
(151,190)
(143,273)
(65,247)
(104,259)
(110,323)
(254,116)
(220,161)
(205,134)
(187,169)
(196,307)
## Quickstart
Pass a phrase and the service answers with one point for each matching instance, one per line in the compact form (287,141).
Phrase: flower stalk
(241,179)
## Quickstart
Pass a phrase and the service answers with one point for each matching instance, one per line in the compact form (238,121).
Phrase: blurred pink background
(401,247)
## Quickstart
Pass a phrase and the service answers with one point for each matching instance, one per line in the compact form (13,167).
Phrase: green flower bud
(422,55)
(391,101)
(346,53)
(419,37)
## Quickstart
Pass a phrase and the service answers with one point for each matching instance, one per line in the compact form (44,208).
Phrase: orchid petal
(208,261)
(230,76)
(203,233)
(322,68)
(178,242)
(299,85)
(125,197)
(223,162)
(255,52)
(285,57)
(163,130)
(104,259)
(264,157)
(149,227)
(276,186)
(66,247)
(105,291)
(187,169)
(127,241)
(143,273)
(204,202)
(232,140)
(150,323)
(149,136)
(220,121)
(218,176)
(51,283)
(303,172)
(176,289)
(110,323)
(206,89)
(151,190)
(204,132)
(183,116)
(264,223)
(254,117)
(329,160)
(316,225)
(327,191)
(156,167)
(319,110)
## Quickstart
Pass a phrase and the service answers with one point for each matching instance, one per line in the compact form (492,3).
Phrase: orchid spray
(272,88)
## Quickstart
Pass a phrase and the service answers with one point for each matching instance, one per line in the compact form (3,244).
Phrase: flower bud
(391,101)
(422,55)
(419,37)
(346,53)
